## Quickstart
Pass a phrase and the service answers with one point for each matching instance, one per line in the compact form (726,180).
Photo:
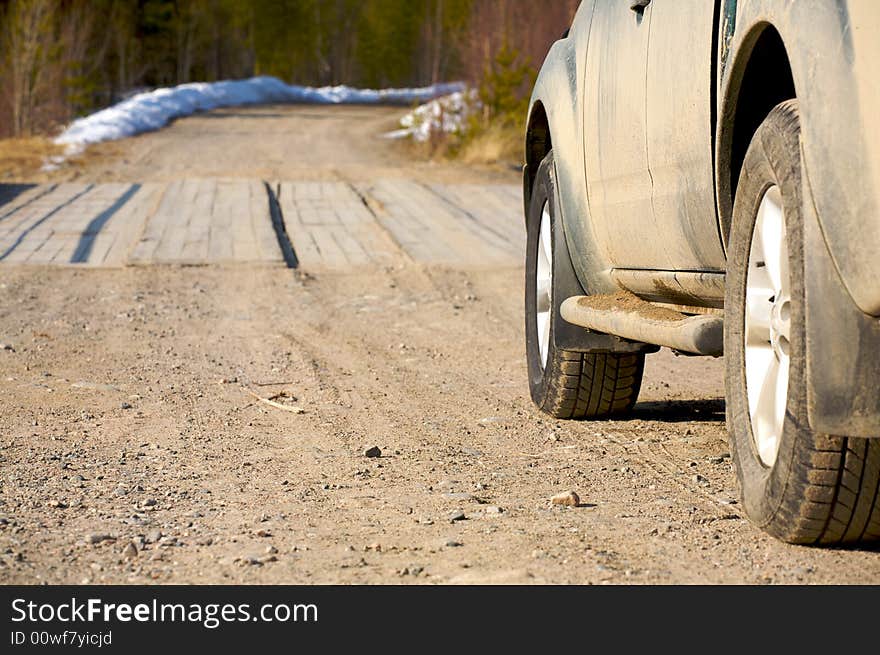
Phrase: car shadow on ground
(9,192)
(678,411)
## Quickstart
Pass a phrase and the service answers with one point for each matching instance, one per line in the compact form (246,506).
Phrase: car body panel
(615,135)
(680,116)
(648,135)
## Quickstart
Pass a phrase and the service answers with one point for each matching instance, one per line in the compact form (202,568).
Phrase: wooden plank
(261,224)
(498,222)
(155,226)
(244,243)
(12,199)
(404,216)
(219,240)
(101,247)
(300,236)
(43,208)
(30,229)
(45,252)
(331,254)
(170,246)
(25,249)
(469,241)
(195,248)
(348,243)
(88,214)
(68,245)
(129,223)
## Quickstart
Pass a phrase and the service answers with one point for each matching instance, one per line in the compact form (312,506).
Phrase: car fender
(557,93)
(833,51)
(556,104)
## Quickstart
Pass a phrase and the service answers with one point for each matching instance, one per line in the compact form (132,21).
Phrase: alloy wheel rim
(544,284)
(767,331)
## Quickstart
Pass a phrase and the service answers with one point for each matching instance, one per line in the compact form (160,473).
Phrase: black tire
(821,489)
(573,385)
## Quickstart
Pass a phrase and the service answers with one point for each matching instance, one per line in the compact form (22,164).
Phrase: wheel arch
(539,142)
(760,77)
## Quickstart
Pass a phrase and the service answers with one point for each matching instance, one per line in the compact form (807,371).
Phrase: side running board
(626,315)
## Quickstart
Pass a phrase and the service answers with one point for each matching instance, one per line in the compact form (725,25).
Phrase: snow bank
(152,110)
(448,114)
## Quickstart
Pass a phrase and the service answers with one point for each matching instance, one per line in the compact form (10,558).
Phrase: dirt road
(133,447)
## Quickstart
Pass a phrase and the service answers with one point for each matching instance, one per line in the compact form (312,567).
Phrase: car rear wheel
(563,383)
(798,485)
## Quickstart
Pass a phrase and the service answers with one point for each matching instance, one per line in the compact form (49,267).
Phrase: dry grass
(21,159)
(496,145)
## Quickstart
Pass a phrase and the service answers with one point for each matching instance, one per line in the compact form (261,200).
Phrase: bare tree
(28,38)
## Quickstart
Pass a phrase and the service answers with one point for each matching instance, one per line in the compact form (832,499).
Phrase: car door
(648,134)
(680,135)
(619,186)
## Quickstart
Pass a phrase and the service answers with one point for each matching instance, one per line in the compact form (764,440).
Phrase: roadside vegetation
(60,59)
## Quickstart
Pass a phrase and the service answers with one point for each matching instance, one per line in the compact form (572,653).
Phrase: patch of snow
(448,114)
(55,162)
(152,110)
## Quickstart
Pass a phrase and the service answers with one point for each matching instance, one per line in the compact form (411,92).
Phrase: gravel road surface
(196,416)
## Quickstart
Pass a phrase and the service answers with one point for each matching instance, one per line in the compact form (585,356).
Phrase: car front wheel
(798,485)
(564,383)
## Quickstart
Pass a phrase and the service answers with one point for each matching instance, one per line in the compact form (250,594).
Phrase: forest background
(60,59)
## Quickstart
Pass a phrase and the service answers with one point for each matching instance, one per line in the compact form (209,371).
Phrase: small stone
(149,502)
(153,536)
(271,550)
(249,561)
(701,480)
(263,533)
(95,538)
(373,451)
(492,509)
(566,499)
(452,543)
(58,504)
(126,405)
(130,551)
(456,516)
(6,346)
(204,541)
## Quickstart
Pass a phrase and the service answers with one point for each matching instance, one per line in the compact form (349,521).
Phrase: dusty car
(705,176)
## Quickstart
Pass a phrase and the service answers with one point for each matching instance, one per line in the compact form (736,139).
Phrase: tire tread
(594,385)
